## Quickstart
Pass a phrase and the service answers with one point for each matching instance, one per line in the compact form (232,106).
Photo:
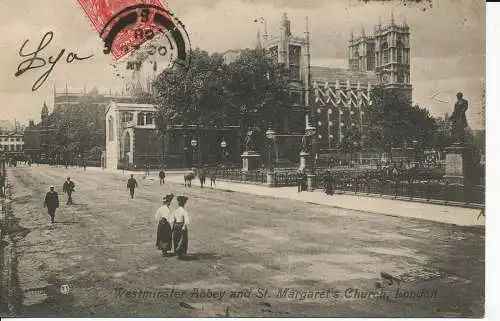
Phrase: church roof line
(331,75)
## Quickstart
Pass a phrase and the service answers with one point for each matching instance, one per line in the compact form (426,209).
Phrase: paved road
(103,246)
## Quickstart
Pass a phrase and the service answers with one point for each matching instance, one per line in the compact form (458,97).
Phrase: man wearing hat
(69,188)
(163,222)
(51,203)
(180,227)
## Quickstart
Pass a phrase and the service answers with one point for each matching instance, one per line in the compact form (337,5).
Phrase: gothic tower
(361,53)
(387,53)
(392,57)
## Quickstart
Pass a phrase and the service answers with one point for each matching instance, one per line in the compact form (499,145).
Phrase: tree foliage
(393,122)
(191,96)
(253,89)
(73,129)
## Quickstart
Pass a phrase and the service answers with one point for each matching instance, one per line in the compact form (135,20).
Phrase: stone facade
(132,140)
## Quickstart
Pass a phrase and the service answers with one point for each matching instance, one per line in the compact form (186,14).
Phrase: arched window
(111,132)
(401,77)
(399,57)
(385,53)
(140,119)
(126,143)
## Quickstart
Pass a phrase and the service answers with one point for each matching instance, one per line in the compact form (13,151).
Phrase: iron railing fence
(426,190)
(236,174)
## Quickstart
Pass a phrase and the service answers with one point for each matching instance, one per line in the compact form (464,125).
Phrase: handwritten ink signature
(35,62)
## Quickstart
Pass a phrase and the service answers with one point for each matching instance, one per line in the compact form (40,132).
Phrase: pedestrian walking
(180,227)
(161,175)
(131,185)
(148,167)
(51,203)
(163,226)
(69,188)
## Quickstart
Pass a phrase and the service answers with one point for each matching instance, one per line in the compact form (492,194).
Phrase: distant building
(68,98)
(231,56)
(12,143)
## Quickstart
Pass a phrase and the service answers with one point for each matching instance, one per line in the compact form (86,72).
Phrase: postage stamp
(126,25)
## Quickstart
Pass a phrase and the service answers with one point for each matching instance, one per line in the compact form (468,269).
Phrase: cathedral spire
(45,112)
(392,18)
(352,36)
(363,33)
(379,23)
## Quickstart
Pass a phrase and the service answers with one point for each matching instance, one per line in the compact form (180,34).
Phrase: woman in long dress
(180,227)
(164,219)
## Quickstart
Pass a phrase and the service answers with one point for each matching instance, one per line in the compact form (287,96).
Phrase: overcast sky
(447,43)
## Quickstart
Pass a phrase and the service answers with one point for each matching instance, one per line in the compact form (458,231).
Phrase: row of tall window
(145,118)
(401,56)
(12,148)
(11,139)
(142,118)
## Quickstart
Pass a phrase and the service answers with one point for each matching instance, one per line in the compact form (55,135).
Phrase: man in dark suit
(51,203)
(69,188)
(131,185)
(162,177)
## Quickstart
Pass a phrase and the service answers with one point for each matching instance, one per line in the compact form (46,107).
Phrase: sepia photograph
(242,158)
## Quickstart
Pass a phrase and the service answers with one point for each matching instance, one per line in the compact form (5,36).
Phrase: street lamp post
(305,153)
(194,143)
(416,151)
(223,146)
(271,135)
(307,146)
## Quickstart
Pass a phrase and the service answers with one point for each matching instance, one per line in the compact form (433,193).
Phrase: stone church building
(330,99)
(132,141)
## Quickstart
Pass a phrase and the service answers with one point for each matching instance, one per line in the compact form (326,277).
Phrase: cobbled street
(251,247)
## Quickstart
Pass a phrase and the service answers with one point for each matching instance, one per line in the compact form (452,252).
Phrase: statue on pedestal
(249,141)
(459,120)
(306,144)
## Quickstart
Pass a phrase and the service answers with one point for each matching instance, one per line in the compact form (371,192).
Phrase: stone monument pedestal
(270,179)
(304,161)
(251,160)
(458,160)
(310,182)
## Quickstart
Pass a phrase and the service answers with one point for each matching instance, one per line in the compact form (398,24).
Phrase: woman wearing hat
(180,227)
(163,219)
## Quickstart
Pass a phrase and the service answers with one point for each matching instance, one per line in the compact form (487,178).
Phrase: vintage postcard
(242,158)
